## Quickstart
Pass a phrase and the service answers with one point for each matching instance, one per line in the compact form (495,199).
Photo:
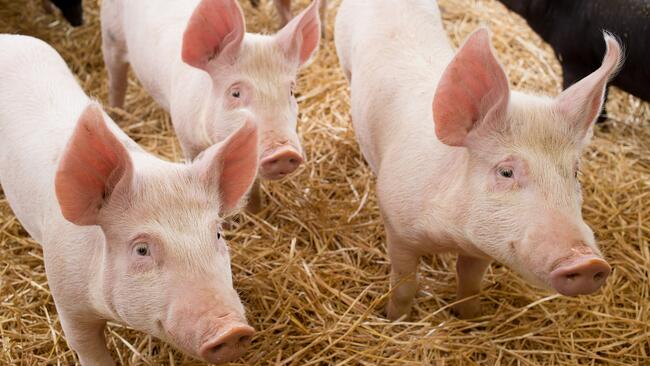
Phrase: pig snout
(230,344)
(580,276)
(280,162)
(208,323)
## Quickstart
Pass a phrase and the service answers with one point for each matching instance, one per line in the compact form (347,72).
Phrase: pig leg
(87,339)
(115,52)
(254,204)
(403,277)
(115,60)
(470,271)
(284,10)
(323,17)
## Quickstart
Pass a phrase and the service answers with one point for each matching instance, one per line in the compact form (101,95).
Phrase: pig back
(40,103)
(154,37)
(396,54)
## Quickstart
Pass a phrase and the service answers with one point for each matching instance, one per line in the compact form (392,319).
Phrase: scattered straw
(312,268)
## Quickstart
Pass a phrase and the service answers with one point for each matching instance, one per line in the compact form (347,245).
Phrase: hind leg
(115,53)
(117,67)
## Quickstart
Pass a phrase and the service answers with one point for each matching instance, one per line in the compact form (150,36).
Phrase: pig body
(574,29)
(126,236)
(463,165)
(197,61)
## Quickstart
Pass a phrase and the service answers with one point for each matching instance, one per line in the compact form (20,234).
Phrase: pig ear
(231,166)
(582,102)
(472,92)
(215,29)
(93,163)
(300,37)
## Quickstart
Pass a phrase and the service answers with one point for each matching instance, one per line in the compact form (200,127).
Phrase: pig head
(164,267)
(521,200)
(252,72)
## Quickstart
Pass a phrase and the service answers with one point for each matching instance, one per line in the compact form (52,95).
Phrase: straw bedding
(312,268)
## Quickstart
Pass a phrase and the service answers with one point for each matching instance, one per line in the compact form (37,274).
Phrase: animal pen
(311,268)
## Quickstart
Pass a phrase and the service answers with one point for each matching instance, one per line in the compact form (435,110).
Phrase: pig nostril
(244,340)
(599,276)
(217,348)
(572,276)
(292,161)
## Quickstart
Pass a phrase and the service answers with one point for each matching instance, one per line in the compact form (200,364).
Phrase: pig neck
(432,196)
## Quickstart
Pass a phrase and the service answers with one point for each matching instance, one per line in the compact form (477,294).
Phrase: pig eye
(236,94)
(293,89)
(142,249)
(219,235)
(506,172)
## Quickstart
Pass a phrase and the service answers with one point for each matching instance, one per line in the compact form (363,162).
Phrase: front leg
(86,337)
(470,271)
(403,277)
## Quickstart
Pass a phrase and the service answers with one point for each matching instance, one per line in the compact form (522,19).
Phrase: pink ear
(472,90)
(300,37)
(582,101)
(93,163)
(216,29)
(231,166)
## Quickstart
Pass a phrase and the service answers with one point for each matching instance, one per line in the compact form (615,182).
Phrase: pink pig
(126,237)
(197,61)
(464,164)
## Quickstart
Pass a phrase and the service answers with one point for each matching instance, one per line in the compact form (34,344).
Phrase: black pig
(72,10)
(574,29)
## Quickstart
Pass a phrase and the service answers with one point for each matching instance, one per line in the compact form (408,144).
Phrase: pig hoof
(466,310)
(254,206)
(394,313)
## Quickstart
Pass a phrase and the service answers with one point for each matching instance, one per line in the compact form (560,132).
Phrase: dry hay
(312,268)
